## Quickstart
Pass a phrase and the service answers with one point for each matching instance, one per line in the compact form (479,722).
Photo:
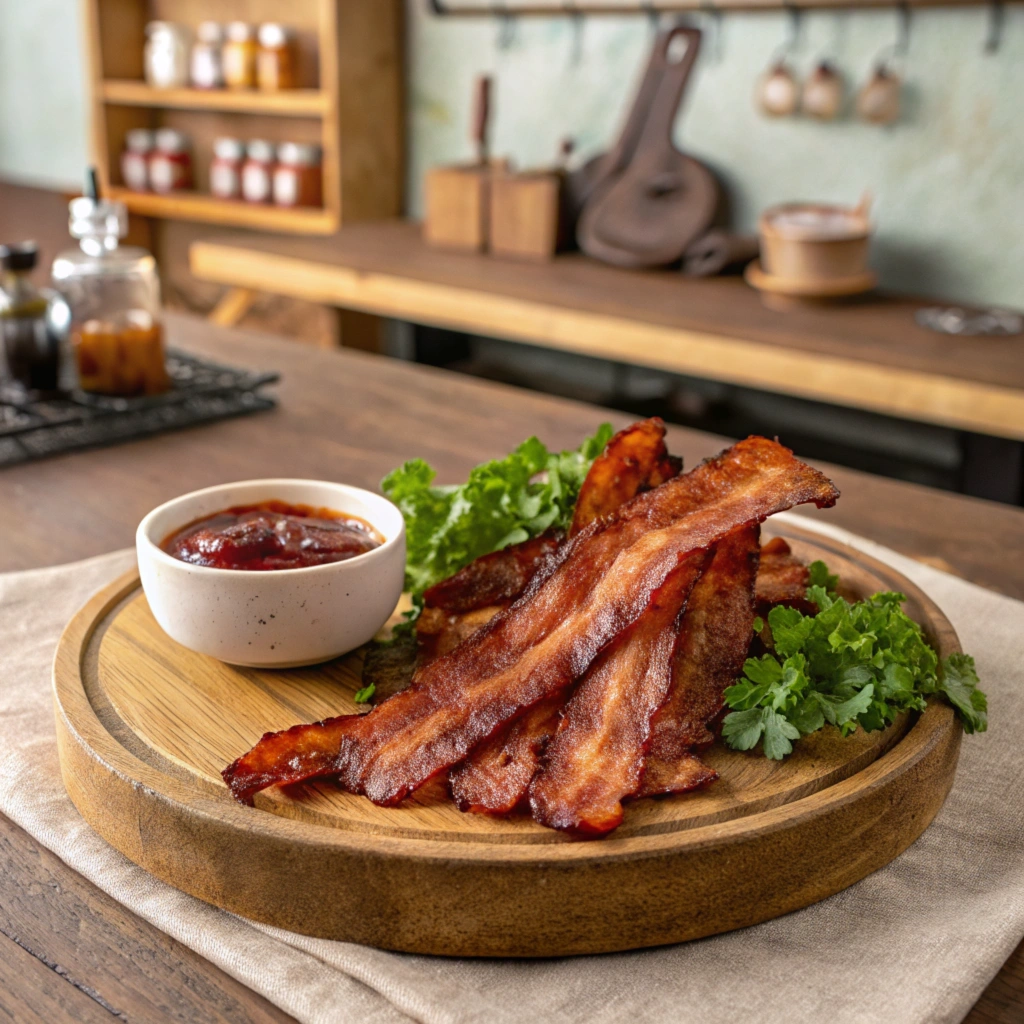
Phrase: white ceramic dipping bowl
(279,618)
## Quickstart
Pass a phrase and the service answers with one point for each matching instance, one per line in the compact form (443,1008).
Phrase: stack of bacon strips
(572,674)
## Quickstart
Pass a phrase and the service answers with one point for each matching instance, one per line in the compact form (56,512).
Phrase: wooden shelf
(348,64)
(210,210)
(290,103)
(868,354)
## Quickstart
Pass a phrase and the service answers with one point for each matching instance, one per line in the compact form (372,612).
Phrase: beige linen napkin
(915,942)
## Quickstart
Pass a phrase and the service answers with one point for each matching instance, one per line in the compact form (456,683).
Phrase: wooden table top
(67,951)
(868,354)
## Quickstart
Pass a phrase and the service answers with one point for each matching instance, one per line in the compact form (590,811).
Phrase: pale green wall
(948,179)
(42,93)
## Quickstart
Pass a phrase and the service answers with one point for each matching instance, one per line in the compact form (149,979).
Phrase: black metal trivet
(33,428)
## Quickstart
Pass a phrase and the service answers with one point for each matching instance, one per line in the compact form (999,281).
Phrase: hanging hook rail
(651,8)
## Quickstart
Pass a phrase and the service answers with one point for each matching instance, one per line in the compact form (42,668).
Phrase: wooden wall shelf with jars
(347,100)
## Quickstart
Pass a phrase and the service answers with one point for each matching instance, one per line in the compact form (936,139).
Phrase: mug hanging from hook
(878,102)
(778,92)
(996,20)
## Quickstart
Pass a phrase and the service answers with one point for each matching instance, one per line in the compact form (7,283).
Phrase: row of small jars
(237,56)
(159,161)
(259,172)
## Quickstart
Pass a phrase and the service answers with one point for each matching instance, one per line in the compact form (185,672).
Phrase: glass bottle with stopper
(113,294)
(29,330)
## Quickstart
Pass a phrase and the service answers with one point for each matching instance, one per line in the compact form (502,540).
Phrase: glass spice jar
(166,55)
(226,168)
(239,56)
(257,171)
(207,67)
(275,61)
(170,164)
(113,298)
(297,177)
(138,147)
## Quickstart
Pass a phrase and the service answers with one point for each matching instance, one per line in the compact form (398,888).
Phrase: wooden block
(458,207)
(525,214)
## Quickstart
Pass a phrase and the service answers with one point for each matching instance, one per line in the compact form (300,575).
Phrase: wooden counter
(70,953)
(868,355)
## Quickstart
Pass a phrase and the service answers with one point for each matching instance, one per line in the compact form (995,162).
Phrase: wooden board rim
(95,765)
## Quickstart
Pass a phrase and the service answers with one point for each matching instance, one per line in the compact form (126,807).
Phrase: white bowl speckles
(280,618)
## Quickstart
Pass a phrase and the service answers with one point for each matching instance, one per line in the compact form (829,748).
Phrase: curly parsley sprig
(850,665)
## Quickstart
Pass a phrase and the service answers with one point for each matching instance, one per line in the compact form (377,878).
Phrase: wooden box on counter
(458,206)
(525,214)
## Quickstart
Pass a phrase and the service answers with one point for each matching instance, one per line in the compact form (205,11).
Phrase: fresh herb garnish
(851,665)
(503,502)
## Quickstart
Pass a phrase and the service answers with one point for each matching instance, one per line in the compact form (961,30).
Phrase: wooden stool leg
(232,306)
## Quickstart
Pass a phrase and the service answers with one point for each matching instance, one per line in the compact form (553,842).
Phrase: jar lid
(139,140)
(210,32)
(97,217)
(273,35)
(170,27)
(227,148)
(240,31)
(299,154)
(260,150)
(19,256)
(169,140)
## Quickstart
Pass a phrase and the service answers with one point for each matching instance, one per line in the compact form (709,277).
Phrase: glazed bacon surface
(713,641)
(494,579)
(592,589)
(782,578)
(496,774)
(496,777)
(634,460)
(597,756)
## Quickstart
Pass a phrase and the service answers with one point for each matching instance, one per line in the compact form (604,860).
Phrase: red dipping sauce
(272,535)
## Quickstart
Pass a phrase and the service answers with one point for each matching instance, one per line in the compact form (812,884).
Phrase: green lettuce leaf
(503,502)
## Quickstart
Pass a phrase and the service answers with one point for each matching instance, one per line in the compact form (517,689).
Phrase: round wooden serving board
(144,727)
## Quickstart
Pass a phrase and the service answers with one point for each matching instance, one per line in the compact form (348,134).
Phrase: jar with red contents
(170,164)
(297,177)
(226,168)
(257,171)
(138,147)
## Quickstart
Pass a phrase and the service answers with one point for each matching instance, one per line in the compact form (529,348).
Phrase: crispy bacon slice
(439,632)
(597,756)
(714,638)
(494,579)
(782,578)
(634,460)
(496,777)
(681,775)
(597,585)
(497,773)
